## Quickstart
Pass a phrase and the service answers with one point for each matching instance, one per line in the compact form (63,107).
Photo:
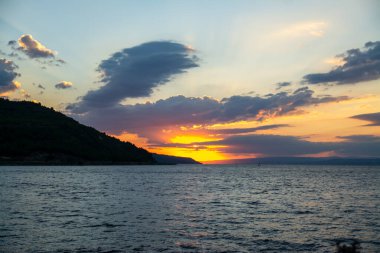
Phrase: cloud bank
(185,111)
(8,76)
(359,66)
(135,72)
(279,145)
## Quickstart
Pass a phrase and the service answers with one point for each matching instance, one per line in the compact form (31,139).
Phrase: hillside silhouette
(33,134)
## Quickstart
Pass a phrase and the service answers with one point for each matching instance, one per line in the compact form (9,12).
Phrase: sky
(211,80)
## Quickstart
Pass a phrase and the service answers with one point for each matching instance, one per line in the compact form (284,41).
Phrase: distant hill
(303,160)
(166,159)
(34,134)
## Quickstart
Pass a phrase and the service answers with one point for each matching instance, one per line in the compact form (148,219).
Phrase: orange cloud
(33,48)
(133,138)
(63,85)
(188,139)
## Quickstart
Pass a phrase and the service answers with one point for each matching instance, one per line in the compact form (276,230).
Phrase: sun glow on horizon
(200,154)
(322,123)
(188,139)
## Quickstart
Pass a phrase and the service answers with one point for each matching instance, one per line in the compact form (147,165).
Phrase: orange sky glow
(317,124)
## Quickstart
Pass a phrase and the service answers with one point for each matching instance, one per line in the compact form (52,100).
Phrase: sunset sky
(211,80)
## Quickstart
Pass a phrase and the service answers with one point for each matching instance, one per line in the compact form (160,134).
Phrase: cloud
(63,85)
(39,86)
(269,145)
(8,76)
(247,130)
(135,72)
(359,145)
(279,145)
(282,85)
(35,50)
(13,55)
(188,111)
(374,118)
(12,43)
(359,66)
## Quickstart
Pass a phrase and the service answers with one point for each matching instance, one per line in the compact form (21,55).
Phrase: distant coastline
(303,161)
(173,160)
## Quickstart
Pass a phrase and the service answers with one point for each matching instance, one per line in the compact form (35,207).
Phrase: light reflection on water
(192,208)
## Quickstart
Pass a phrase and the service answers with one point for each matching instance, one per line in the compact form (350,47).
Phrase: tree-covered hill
(34,134)
(167,159)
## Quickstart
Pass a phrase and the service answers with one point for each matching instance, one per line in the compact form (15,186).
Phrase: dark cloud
(63,85)
(247,130)
(39,86)
(35,50)
(136,71)
(359,66)
(374,118)
(360,138)
(269,145)
(358,145)
(8,76)
(300,90)
(244,107)
(282,85)
(12,43)
(278,145)
(185,111)
(12,55)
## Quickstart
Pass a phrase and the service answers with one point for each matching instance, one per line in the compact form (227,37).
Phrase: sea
(188,208)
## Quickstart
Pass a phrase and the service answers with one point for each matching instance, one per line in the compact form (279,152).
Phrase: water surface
(192,208)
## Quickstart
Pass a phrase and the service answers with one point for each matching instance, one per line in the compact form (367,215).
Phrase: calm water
(191,208)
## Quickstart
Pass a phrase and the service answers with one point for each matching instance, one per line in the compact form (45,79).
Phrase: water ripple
(194,208)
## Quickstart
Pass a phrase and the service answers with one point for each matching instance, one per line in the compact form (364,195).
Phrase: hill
(166,159)
(34,134)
